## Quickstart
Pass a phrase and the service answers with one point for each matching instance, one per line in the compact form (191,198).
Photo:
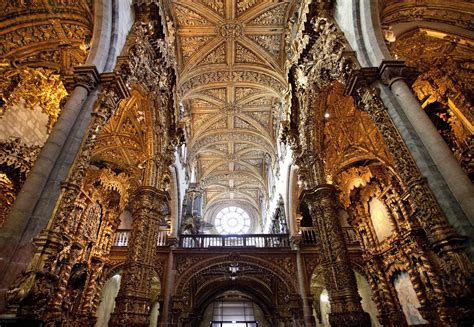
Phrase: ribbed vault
(231,78)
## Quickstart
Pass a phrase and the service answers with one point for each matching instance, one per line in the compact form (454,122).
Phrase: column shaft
(134,298)
(346,309)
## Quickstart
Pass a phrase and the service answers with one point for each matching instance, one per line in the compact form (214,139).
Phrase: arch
(274,270)
(267,281)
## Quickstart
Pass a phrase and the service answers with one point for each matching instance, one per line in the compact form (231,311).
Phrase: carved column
(452,259)
(57,234)
(15,235)
(134,298)
(346,309)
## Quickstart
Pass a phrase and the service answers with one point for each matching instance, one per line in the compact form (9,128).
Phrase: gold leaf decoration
(216,5)
(244,55)
(188,17)
(271,43)
(244,5)
(191,44)
(216,56)
(273,16)
(36,87)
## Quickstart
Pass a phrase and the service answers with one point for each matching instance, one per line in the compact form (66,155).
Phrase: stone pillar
(14,240)
(134,298)
(56,234)
(463,190)
(346,309)
(452,260)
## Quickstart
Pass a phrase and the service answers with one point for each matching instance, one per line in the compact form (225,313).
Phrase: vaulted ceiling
(231,77)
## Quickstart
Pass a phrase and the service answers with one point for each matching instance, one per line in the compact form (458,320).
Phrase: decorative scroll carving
(328,58)
(16,160)
(18,156)
(59,38)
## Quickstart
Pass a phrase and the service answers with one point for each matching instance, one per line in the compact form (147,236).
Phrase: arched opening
(234,309)
(261,284)
(408,300)
(322,304)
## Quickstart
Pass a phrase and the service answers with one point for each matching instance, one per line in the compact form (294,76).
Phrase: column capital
(318,192)
(392,70)
(116,82)
(151,200)
(388,72)
(296,241)
(85,76)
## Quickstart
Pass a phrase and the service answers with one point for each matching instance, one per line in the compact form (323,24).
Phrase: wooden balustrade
(244,240)
(309,235)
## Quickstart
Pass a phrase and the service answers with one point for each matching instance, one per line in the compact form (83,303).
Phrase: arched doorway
(234,309)
(236,285)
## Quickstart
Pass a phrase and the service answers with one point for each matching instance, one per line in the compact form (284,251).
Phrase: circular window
(232,220)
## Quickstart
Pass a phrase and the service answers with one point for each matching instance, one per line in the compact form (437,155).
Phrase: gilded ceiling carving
(123,142)
(457,13)
(231,64)
(349,135)
(29,34)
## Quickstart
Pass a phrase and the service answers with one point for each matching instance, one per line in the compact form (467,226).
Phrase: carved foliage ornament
(327,59)
(37,87)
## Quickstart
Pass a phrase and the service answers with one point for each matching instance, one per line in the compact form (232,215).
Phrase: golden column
(346,309)
(134,298)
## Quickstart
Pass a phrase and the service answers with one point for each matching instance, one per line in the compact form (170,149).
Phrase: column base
(349,319)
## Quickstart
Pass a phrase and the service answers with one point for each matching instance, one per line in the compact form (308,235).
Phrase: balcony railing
(245,240)
(311,237)
(122,236)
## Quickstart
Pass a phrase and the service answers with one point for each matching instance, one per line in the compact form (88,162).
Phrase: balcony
(204,241)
